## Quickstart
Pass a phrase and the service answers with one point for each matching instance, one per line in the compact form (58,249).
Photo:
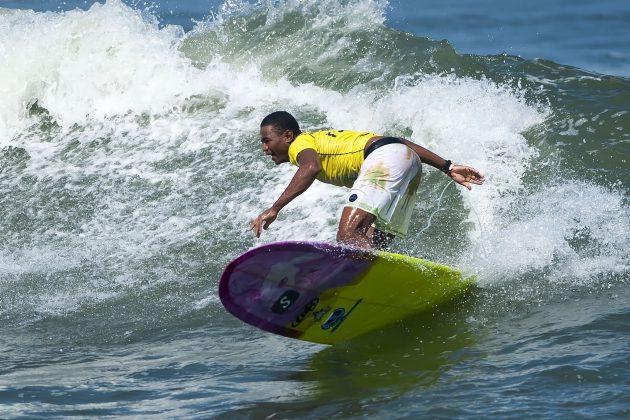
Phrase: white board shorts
(386,187)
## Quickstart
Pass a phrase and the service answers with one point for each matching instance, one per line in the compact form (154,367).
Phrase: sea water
(130,168)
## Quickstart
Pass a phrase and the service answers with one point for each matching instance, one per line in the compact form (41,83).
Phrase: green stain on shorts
(377,175)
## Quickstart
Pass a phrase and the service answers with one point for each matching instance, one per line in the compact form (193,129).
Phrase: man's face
(275,143)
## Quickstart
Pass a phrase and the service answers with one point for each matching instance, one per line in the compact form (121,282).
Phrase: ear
(288,136)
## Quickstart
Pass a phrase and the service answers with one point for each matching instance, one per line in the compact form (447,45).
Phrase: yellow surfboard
(328,293)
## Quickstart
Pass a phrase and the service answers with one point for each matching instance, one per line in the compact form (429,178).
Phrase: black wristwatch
(447,167)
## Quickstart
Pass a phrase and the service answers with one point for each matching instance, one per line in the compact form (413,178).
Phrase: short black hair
(282,121)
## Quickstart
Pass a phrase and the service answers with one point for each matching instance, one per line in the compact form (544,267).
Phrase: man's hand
(263,221)
(309,167)
(465,175)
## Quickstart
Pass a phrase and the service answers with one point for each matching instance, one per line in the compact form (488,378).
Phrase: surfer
(383,174)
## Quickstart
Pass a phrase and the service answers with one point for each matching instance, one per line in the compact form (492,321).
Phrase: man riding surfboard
(383,174)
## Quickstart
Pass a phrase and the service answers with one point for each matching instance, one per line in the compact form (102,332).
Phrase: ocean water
(130,167)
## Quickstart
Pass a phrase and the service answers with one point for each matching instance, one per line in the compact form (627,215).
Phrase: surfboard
(327,293)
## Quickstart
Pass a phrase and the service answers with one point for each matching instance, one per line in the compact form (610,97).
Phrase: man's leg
(355,228)
(386,185)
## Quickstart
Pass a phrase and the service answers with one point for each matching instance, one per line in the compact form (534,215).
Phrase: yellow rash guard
(340,151)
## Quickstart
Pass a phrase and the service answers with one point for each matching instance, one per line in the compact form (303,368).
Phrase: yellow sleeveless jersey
(340,151)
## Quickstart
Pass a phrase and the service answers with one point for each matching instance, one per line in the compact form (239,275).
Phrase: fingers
(262,222)
(466,176)
(472,174)
(476,177)
(255,226)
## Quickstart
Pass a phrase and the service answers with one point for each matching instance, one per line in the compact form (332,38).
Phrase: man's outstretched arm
(310,166)
(463,175)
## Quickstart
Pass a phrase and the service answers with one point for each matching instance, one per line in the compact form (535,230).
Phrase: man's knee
(354,227)
(354,219)
(344,235)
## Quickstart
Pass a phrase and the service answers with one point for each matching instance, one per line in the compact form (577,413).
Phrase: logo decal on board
(337,317)
(318,315)
(307,309)
(284,302)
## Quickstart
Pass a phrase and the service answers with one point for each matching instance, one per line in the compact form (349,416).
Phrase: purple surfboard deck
(270,285)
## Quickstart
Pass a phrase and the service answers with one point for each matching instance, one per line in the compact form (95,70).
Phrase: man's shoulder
(303,139)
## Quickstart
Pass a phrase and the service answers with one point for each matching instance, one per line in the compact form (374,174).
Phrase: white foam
(89,64)
(572,232)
